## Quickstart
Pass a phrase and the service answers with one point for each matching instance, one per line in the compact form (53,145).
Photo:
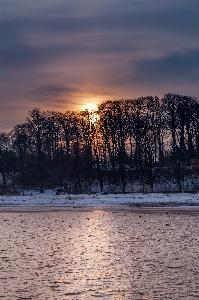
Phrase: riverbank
(127,209)
(50,198)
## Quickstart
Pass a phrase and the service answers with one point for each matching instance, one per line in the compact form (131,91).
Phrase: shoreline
(120,208)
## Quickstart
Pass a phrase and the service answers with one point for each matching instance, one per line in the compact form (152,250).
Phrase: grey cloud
(23,36)
(18,55)
(122,15)
(25,55)
(61,52)
(53,90)
(180,67)
(165,17)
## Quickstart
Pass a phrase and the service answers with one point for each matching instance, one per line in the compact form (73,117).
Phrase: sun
(90,106)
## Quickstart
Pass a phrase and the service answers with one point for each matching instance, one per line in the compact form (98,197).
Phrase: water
(99,255)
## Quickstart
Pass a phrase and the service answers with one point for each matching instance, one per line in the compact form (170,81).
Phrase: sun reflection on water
(83,255)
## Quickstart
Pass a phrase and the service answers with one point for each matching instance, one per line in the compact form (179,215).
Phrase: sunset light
(90,106)
(99,149)
(91,53)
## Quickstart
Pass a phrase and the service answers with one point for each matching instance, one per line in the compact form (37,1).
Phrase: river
(99,254)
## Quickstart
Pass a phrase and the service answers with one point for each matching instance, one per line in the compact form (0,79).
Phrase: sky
(71,54)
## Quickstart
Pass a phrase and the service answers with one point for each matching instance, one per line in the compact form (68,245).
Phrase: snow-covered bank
(49,198)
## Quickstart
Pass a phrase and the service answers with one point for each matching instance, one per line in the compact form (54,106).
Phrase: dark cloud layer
(53,90)
(178,67)
(67,53)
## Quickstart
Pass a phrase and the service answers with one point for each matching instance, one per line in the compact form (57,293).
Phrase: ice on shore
(49,198)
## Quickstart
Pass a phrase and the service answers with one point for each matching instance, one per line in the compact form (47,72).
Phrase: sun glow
(90,106)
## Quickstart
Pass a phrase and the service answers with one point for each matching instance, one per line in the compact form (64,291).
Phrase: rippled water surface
(99,254)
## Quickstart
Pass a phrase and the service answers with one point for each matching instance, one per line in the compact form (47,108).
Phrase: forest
(125,143)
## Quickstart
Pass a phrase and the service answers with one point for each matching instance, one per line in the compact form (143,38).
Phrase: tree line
(144,140)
